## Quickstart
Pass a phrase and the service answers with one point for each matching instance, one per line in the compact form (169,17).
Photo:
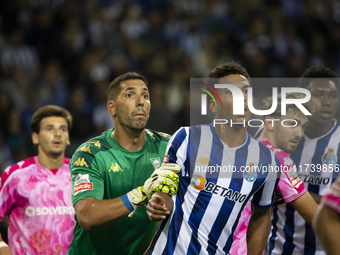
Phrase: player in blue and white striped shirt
(208,204)
(318,149)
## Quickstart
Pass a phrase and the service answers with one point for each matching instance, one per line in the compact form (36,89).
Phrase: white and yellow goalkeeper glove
(164,179)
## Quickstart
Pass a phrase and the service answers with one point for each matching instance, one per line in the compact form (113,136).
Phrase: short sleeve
(8,193)
(264,196)
(87,179)
(177,149)
(290,185)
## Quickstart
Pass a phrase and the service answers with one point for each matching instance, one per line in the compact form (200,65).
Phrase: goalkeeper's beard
(139,125)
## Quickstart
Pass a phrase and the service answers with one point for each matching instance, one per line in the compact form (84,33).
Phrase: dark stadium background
(66,52)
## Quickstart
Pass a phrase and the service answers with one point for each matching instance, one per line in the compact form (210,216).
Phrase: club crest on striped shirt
(329,157)
(250,173)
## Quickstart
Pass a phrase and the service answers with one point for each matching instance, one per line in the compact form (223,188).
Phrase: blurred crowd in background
(66,52)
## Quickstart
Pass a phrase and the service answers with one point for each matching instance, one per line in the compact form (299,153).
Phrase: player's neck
(131,140)
(233,137)
(51,161)
(315,130)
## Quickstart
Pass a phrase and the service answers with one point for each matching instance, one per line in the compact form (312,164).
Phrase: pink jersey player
(332,197)
(38,202)
(290,187)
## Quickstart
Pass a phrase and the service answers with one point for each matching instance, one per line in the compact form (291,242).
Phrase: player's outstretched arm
(305,206)
(94,213)
(326,225)
(4,250)
(159,206)
(258,230)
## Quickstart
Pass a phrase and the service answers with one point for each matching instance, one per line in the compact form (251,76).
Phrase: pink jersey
(290,186)
(332,197)
(39,205)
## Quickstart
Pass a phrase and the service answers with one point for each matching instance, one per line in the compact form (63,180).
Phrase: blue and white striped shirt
(210,197)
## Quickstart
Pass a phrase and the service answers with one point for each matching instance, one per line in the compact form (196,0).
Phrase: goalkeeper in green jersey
(116,173)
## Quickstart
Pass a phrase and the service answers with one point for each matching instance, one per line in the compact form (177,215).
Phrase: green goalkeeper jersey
(102,169)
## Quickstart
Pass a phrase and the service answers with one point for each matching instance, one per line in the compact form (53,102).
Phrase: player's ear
(269,122)
(212,105)
(35,138)
(111,108)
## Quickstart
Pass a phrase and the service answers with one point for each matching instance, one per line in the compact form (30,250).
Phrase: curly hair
(315,72)
(227,69)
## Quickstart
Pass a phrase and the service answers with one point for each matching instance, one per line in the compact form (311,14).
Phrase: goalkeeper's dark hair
(317,72)
(227,69)
(267,104)
(49,111)
(115,85)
